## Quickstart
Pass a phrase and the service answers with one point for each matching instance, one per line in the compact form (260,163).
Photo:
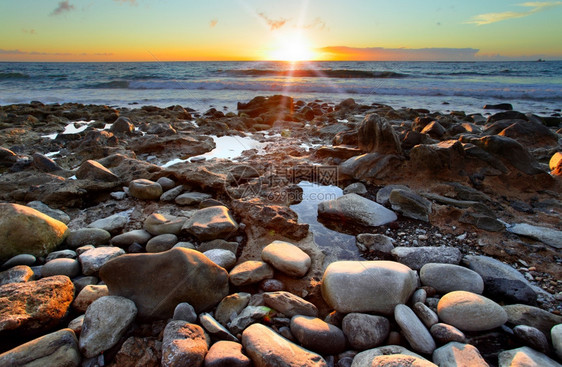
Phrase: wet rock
(122,125)
(289,304)
(211,223)
(69,267)
(92,260)
(367,286)
(457,354)
(157,224)
(524,356)
(191,198)
(171,277)
(44,163)
(16,274)
(470,312)
(417,257)
(267,348)
(231,306)
(250,272)
(376,134)
(53,213)
(549,236)
(124,240)
(56,349)
(414,330)
(87,295)
(24,230)
(530,134)
(445,155)
(105,322)
(446,278)
(434,129)
(410,204)
(498,106)
(287,258)
(161,243)
(532,337)
(226,354)
(184,311)
(145,189)
(444,333)
(87,236)
(137,352)
(365,331)
(532,316)
(35,306)
(501,281)
(357,210)
(317,335)
(383,195)
(370,166)
(184,344)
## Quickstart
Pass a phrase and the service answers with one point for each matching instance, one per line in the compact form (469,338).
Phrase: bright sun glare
(292,49)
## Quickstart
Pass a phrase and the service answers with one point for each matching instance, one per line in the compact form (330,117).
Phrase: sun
(293,49)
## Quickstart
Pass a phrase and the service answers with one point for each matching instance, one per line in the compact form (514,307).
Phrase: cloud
(273,24)
(64,6)
(213,23)
(534,7)
(399,54)
(29,31)
(19,52)
(317,23)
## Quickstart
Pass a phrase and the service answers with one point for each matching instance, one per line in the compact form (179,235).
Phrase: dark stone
(499,106)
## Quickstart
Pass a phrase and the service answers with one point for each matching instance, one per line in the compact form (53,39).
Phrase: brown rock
(139,352)
(377,135)
(184,344)
(94,171)
(158,282)
(35,306)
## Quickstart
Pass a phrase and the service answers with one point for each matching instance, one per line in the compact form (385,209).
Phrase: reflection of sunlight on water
(335,245)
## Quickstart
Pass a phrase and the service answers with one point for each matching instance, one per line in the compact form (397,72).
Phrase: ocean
(438,86)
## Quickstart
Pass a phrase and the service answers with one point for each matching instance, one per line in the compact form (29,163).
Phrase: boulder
(417,257)
(145,189)
(24,230)
(365,331)
(158,282)
(105,322)
(266,348)
(161,243)
(317,335)
(92,260)
(93,170)
(87,236)
(458,354)
(137,352)
(184,344)
(226,354)
(532,337)
(410,204)
(447,278)
(445,155)
(370,166)
(53,213)
(530,134)
(56,349)
(501,281)
(289,304)
(122,125)
(211,223)
(470,311)
(414,330)
(355,210)
(376,134)
(524,356)
(287,258)
(367,286)
(375,242)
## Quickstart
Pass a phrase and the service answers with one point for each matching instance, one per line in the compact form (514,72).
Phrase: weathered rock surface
(524,356)
(266,348)
(16,274)
(92,260)
(376,134)
(184,344)
(457,354)
(211,223)
(289,304)
(410,204)
(355,210)
(226,354)
(471,312)
(157,224)
(367,286)
(145,189)
(139,352)
(250,272)
(169,278)
(24,230)
(105,322)
(365,331)
(35,306)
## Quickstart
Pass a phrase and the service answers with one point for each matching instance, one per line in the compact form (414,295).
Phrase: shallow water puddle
(335,245)
(226,147)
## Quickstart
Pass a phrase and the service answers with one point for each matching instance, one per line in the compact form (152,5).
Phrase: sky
(178,30)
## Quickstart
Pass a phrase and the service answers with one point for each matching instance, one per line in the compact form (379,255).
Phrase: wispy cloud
(29,31)
(19,52)
(213,23)
(316,23)
(533,7)
(399,54)
(273,24)
(63,7)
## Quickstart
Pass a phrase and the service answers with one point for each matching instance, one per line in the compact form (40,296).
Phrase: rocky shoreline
(124,243)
